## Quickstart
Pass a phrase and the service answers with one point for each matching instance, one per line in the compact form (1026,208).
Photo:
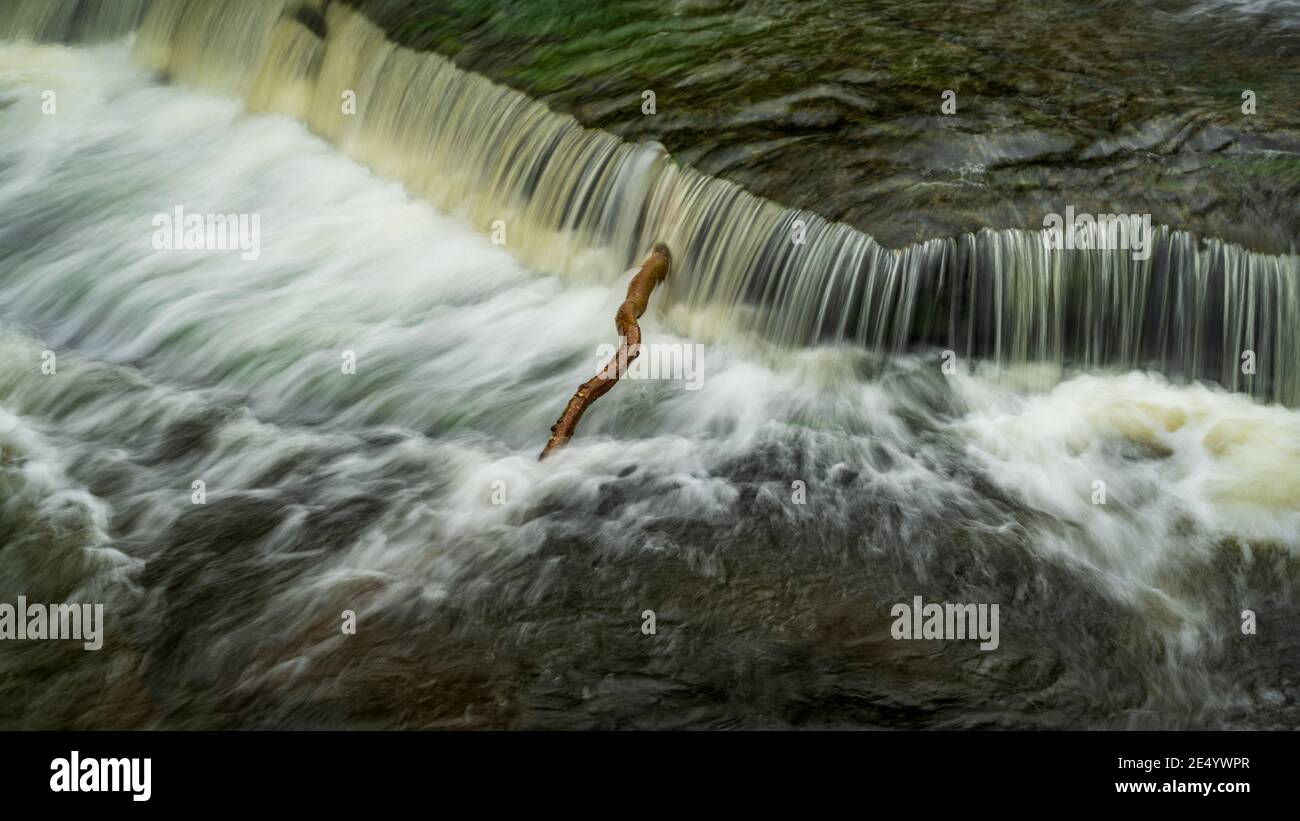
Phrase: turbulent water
(492,590)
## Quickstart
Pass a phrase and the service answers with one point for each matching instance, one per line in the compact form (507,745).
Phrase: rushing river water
(827,469)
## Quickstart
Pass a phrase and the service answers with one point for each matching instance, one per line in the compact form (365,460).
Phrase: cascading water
(568,194)
(374,492)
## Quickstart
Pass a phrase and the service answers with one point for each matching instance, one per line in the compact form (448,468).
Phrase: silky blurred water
(377,492)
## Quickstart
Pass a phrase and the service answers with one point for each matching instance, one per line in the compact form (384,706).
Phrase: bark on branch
(652,272)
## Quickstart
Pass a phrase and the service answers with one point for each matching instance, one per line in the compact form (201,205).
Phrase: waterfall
(586,203)
(70,20)
(238,455)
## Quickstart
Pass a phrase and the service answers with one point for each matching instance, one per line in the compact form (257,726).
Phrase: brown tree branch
(652,272)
